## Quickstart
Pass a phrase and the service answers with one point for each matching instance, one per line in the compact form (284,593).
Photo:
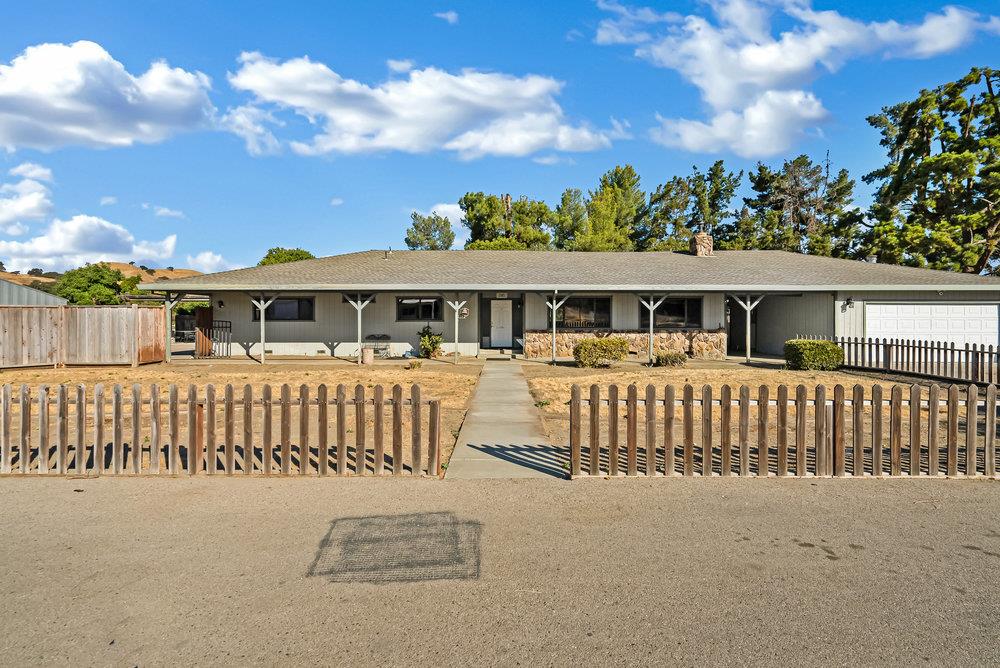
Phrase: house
(693,302)
(13,294)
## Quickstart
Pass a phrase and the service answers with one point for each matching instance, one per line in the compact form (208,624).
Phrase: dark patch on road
(976,548)
(399,548)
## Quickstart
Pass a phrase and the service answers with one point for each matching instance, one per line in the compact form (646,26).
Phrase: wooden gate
(71,335)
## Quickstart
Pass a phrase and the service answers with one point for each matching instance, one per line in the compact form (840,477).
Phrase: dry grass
(24,279)
(553,384)
(452,385)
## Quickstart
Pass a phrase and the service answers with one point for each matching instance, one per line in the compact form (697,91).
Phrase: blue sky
(212,131)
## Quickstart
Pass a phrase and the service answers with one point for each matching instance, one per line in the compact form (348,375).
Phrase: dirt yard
(551,387)
(451,384)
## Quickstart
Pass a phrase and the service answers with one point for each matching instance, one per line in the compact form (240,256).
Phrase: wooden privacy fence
(975,363)
(799,431)
(63,335)
(146,431)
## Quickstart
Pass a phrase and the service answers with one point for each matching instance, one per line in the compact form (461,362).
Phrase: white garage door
(958,323)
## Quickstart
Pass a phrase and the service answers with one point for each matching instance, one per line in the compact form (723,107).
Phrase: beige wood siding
(783,318)
(334,329)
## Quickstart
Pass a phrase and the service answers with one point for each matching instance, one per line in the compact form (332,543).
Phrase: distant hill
(24,279)
(153,274)
(125,268)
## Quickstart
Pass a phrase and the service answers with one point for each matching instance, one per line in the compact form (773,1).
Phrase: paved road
(217,571)
(503,435)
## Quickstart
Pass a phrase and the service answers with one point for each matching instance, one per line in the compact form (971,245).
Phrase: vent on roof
(387,253)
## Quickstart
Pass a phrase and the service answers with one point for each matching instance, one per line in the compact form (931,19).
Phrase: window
(353,297)
(673,314)
(584,313)
(419,308)
(295,308)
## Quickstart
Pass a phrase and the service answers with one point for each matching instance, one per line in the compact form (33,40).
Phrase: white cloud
(54,95)
(13,229)
(26,199)
(164,212)
(743,69)
(208,262)
(629,25)
(450,16)
(31,170)
(109,200)
(553,159)
(336,201)
(399,65)
(471,113)
(768,126)
(250,123)
(79,240)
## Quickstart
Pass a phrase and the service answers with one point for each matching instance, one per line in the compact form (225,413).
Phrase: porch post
(748,306)
(456,305)
(651,307)
(262,305)
(168,311)
(359,306)
(554,306)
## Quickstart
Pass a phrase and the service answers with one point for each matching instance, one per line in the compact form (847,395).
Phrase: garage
(960,323)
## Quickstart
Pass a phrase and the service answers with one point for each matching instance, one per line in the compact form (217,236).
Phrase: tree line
(936,202)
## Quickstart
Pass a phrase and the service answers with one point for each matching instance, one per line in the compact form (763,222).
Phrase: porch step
(494,354)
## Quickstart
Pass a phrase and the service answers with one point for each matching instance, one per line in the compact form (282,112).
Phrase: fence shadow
(551,460)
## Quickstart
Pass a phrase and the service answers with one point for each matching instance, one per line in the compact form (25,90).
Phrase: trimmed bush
(430,342)
(810,355)
(600,352)
(669,358)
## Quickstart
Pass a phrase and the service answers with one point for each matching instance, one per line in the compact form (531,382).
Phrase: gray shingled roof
(730,271)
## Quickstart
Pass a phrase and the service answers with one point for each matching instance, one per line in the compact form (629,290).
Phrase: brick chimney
(701,244)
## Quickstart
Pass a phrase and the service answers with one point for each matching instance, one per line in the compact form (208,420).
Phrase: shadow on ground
(551,460)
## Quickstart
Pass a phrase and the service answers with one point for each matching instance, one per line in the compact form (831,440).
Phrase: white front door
(934,321)
(501,323)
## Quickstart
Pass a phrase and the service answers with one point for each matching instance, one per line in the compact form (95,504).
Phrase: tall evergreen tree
(712,193)
(519,224)
(431,232)
(669,211)
(938,197)
(570,218)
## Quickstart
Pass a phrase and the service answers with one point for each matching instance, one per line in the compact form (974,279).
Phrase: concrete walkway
(503,436)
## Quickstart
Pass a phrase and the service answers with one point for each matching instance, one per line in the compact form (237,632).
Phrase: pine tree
(431,232)
(669,211)
(938,197)
(712,193)
(570,218)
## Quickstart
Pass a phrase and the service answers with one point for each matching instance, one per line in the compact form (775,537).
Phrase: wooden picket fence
(800,431)
(144,431)
(976,363)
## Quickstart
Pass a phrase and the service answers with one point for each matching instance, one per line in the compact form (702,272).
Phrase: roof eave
(409,287)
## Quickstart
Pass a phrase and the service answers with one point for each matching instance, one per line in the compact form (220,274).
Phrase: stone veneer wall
(707,344)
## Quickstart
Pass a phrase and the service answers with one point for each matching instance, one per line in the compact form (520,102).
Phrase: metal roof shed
(12,294)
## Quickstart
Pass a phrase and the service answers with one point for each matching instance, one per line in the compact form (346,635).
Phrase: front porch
(477,323)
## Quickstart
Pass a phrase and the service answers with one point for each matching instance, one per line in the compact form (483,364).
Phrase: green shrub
(430,342)
(600,352)
(414,365)
(806,354)
(669,358)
